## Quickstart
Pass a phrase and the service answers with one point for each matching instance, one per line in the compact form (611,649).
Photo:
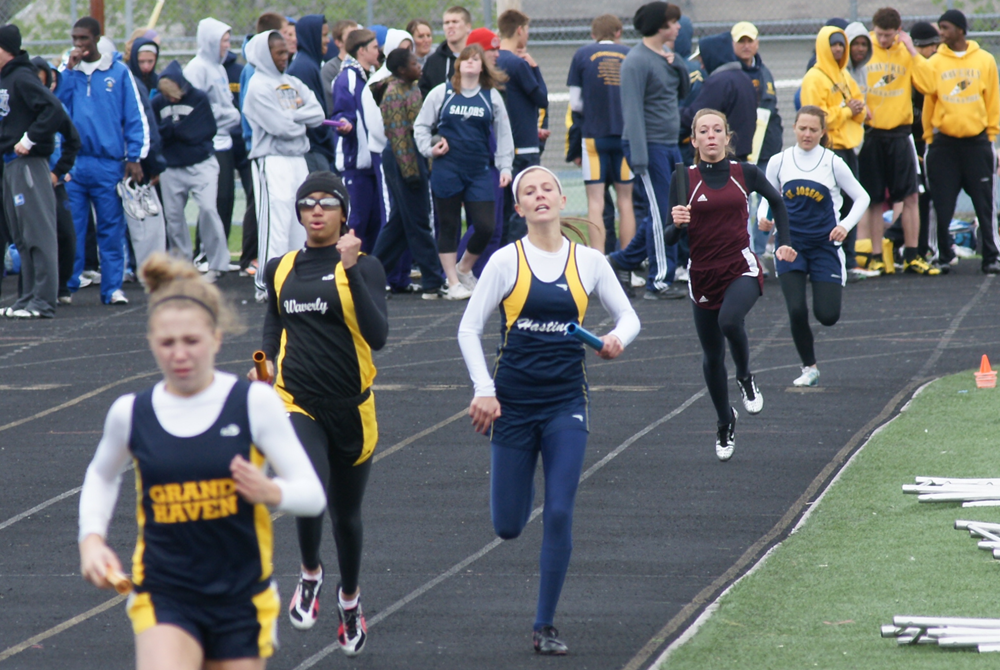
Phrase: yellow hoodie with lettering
(828,86)
(892,75)
(965,100)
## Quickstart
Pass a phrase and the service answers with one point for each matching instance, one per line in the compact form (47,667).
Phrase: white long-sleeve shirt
(498,279)
(272,433)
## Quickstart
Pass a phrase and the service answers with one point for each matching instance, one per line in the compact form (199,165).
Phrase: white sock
(313,578)
(348,604)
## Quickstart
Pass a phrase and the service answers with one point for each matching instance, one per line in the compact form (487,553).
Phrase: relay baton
(584,335)
(336,123)
(121,582)
(260,362)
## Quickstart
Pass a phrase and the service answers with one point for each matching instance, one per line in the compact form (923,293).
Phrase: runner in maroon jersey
(710,201)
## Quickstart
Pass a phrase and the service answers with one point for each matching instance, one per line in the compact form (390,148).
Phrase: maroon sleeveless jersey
(718,237)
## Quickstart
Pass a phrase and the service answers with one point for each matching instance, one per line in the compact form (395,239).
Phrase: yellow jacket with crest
(828,86)
(965,100)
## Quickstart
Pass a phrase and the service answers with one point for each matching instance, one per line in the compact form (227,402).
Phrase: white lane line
(18,648)
(953,328)
(38,508)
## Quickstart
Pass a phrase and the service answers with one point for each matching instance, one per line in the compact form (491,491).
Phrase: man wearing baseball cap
(488,40)
(961,121)
(767,139)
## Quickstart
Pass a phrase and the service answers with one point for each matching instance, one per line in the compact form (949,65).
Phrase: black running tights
(826,307)
(480,215)
(714,328)
(345,489)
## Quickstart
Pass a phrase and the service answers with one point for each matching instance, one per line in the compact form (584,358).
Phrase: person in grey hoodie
(206,73)
(653,80)
(860,46)
(278,108)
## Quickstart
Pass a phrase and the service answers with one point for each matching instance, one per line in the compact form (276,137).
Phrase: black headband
(187,297)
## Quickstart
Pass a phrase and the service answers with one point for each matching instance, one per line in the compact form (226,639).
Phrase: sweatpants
(148,235)
(200,181)
(29,205)
(654,187)
(66,238)
(562,445)
(275,181)
(717,326)
(93,184)
(367,203)
(225,197)
(826,307)
(345,491)
(409,225)
(963,163)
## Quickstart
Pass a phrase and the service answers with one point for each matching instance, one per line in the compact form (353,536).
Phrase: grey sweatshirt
(205,72)
(650,90)
(277,106)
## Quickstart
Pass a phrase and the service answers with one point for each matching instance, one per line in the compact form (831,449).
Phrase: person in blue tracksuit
(536,401)
(104,104)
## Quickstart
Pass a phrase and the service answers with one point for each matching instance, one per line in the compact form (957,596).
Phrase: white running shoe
(468,280)
(201,267)
(809,377)
(24,314)
(303,610)
(457,292)
(636,281)
(260,296)
(725,441)
(752,399)
(131,199)
(147,198)
(681,274)
(118,298)
(353,630)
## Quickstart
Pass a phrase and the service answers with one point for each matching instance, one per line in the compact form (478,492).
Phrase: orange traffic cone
(986,378)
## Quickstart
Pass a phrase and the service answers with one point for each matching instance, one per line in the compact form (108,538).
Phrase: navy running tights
(715,327)
(345,489)
(512,493)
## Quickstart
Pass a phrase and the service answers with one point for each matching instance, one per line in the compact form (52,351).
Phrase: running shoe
(752,399)
(250,270)
(809,377)
(468,280)
(65,300)
(353,630)
(547,642)
(303,610)
(991,268)
(131,201)
(681,274)
(24,314)
(201,266)
(260,295)
(147,198)
(876,266)
(9,312)
(435,293)
(859,273)
(93,276)
(638,281)
(457,292)
(725,441)
(671,292)
(919,266)
(118,298)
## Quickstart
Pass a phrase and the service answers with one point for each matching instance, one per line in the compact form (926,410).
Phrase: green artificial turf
(869,552)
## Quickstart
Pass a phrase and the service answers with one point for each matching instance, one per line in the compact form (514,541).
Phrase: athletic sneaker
(131,200)
(859,273)
(547,642)
(201,266)
(260,296)
(250,270)
(8,312)
(752,399)
(118,298)
(725,441)
(303,610)
(876,266)
(681,274)
(23,314)
(671,292)
(809,377)
(148,200)
(65,300)
(457,292)
(435,294)
(468,280)
(920,267)
(353,630)
(991,268)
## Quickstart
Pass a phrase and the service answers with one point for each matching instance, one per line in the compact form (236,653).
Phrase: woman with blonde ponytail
(198,439)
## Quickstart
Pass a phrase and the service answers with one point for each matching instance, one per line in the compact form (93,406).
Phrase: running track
(661,526)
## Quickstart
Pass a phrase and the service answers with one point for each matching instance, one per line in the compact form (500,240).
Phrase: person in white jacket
(278,108)
(205,72)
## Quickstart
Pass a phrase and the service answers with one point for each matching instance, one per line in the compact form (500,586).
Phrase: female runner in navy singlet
(204,597)
(725,276)
(537,400)
(811,179)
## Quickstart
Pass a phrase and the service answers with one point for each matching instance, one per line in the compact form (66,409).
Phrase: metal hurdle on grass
(947,632)
(969,492)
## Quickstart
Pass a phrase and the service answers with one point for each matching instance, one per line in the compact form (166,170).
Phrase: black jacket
(439,66)
(26,106)
(763,83)
(187,127)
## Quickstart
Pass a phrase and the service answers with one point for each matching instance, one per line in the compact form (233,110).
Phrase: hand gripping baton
(121,582)
(585,336)
(260,362)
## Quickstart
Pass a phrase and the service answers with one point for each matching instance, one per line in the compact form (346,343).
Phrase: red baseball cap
(484,37)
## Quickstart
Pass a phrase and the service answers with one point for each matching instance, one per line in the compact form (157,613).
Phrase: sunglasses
(328,204)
